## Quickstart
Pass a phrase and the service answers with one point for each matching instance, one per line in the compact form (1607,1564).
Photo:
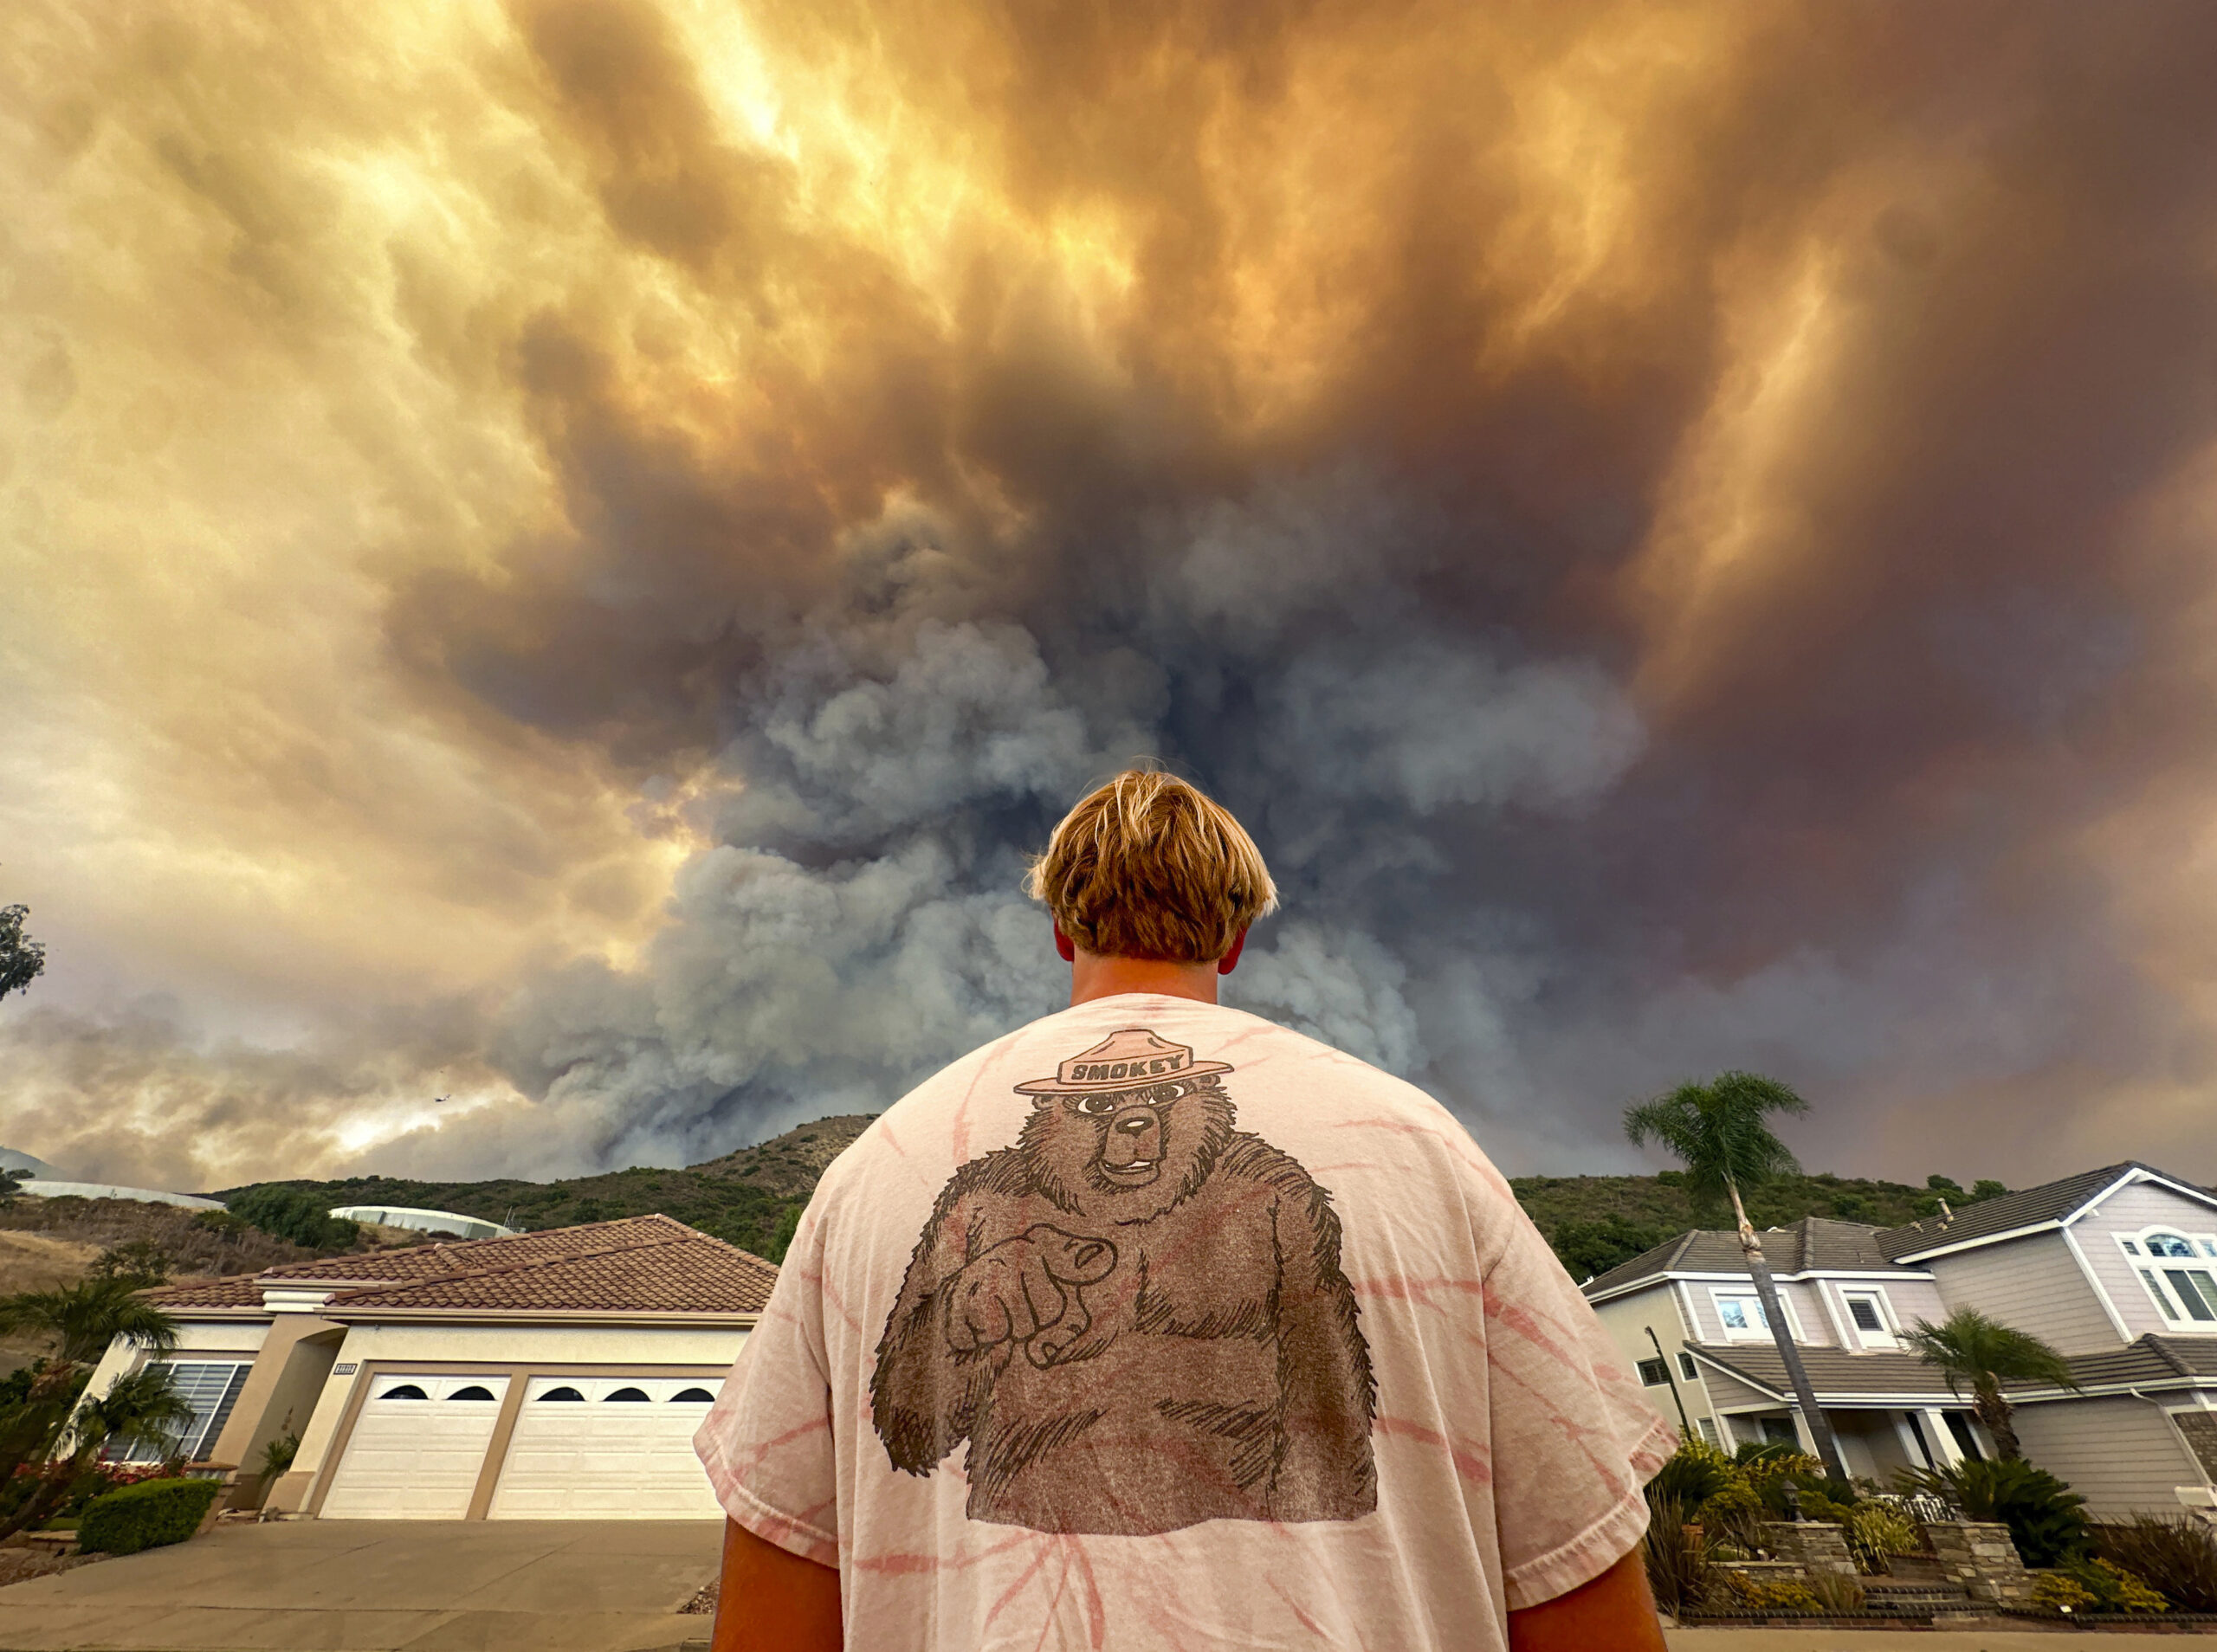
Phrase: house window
(1741,1312)
(1867,1312)
(2185,1295)
(1780,1428)
(1708,1427)
(1687,1369)
(1654,1372)
(210,1388)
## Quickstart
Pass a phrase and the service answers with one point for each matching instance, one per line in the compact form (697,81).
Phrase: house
(2116,1267)
(539,1376)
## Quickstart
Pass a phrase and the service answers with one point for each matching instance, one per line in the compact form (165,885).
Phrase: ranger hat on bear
(1120,1061)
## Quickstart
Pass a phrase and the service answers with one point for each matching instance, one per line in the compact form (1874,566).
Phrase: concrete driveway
(383,1586)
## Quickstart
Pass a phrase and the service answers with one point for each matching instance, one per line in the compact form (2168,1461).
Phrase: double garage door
(581,1448)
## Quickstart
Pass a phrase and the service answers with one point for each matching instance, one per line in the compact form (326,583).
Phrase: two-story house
(2116,1267)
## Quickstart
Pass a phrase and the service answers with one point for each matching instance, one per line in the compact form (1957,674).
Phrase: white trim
(2101,1291)
(1807,1275)
(1887,1338)
(2154,1273)
(1718,1293)
(2137,1173)
(1983,1240)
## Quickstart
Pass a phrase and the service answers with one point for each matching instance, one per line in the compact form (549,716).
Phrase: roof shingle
(648,1264)
(1817,1242)
(2026,1208)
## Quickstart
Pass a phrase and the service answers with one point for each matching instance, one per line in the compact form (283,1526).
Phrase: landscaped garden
(1763,1533)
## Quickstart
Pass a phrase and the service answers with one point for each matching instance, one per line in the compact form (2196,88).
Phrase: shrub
(1876,1531)
(1835,1593)
(2114,1590)
(1679,1569)
(2177,1556)
(1743,1593)
(1736,1515)
(1693,1473)
(2061,1594)
(295,1214)
(145,1516)
(2047,1519)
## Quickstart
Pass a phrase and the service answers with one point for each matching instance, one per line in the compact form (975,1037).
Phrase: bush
(1679,1569)
(1835,1593)
(145,1516)
(2113,1589)
(1693,1473)
(1876,1530)
(2177,1556)
(1736,1515)
(294,1214)
(2047,1519)
(2061,1594)
(1743,1593)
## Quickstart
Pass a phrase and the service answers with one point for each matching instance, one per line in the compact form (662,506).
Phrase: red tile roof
(649,1264)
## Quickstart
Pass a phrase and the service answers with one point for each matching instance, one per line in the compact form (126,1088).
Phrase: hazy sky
(559,556)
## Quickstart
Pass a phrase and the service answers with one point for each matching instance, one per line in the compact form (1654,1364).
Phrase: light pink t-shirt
(1156,1326)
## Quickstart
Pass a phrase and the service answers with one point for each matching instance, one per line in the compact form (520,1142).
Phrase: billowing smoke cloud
(575,550)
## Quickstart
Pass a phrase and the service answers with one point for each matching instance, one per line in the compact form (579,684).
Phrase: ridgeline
(753,1197)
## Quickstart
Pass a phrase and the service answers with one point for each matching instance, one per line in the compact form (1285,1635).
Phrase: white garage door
(600,1448)
(416,1447)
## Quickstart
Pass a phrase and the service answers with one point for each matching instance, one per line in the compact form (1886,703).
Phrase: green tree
(1586,1249)
(1973,1350)
(294,1213)
(141,1407)
(21,959)
(1720,1131)
(142,1263)
(1987,1188)
(86,1316)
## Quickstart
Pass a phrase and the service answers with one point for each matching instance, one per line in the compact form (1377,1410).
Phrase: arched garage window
(628,1394)
(406,1391)
(561,1394)
(474,1391)
(692,1396)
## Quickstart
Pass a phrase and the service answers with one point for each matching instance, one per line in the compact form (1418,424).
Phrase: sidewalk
(382,1586)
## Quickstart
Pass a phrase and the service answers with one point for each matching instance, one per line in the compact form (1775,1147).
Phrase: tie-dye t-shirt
(1154,1325)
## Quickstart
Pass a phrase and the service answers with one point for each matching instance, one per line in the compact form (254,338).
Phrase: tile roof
(1816,1243)
(649,1264)
(2027,1206)
(2153,1358)
(1832,1370)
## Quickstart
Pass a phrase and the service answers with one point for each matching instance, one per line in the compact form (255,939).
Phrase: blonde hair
(1150,867)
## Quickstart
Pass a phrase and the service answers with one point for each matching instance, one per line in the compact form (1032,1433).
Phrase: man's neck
(1093,976)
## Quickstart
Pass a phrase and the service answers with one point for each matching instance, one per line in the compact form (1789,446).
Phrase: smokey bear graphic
(1136,1316)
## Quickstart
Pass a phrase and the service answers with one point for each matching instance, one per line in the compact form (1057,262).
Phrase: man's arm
(1613,1613)
(770,1601)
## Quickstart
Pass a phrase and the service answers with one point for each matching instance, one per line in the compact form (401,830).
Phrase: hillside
(753,1196)
(750,1199)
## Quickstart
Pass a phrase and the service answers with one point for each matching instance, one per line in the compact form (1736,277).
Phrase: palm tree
(1717,1132)
(144,1406)
(1967,1347)
(88,1316)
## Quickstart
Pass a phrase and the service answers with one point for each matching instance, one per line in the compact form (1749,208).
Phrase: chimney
(1946,1215)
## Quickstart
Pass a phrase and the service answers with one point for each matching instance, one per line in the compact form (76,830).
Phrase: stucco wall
(1626,1320)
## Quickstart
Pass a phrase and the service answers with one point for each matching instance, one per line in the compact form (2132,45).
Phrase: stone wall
(1981,1558)
(1815,1546)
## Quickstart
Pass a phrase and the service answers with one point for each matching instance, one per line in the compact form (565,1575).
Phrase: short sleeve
(1573,1440)
(766,1442)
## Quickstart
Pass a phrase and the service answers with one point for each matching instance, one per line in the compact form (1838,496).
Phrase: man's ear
(1229,961)
(1062,946)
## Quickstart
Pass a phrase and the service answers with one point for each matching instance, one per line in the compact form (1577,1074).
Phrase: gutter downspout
(1672,1377)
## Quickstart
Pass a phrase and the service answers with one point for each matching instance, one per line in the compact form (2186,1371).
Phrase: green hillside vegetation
(753,1197)
(1595,1222)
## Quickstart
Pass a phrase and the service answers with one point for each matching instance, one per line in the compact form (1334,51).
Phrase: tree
(143,1407)
(141,1263)
(88,1316)
(1969,1349)
(21,959)
(294,1213)
(1718,1131)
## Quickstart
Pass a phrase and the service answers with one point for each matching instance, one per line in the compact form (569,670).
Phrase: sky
(556,560)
